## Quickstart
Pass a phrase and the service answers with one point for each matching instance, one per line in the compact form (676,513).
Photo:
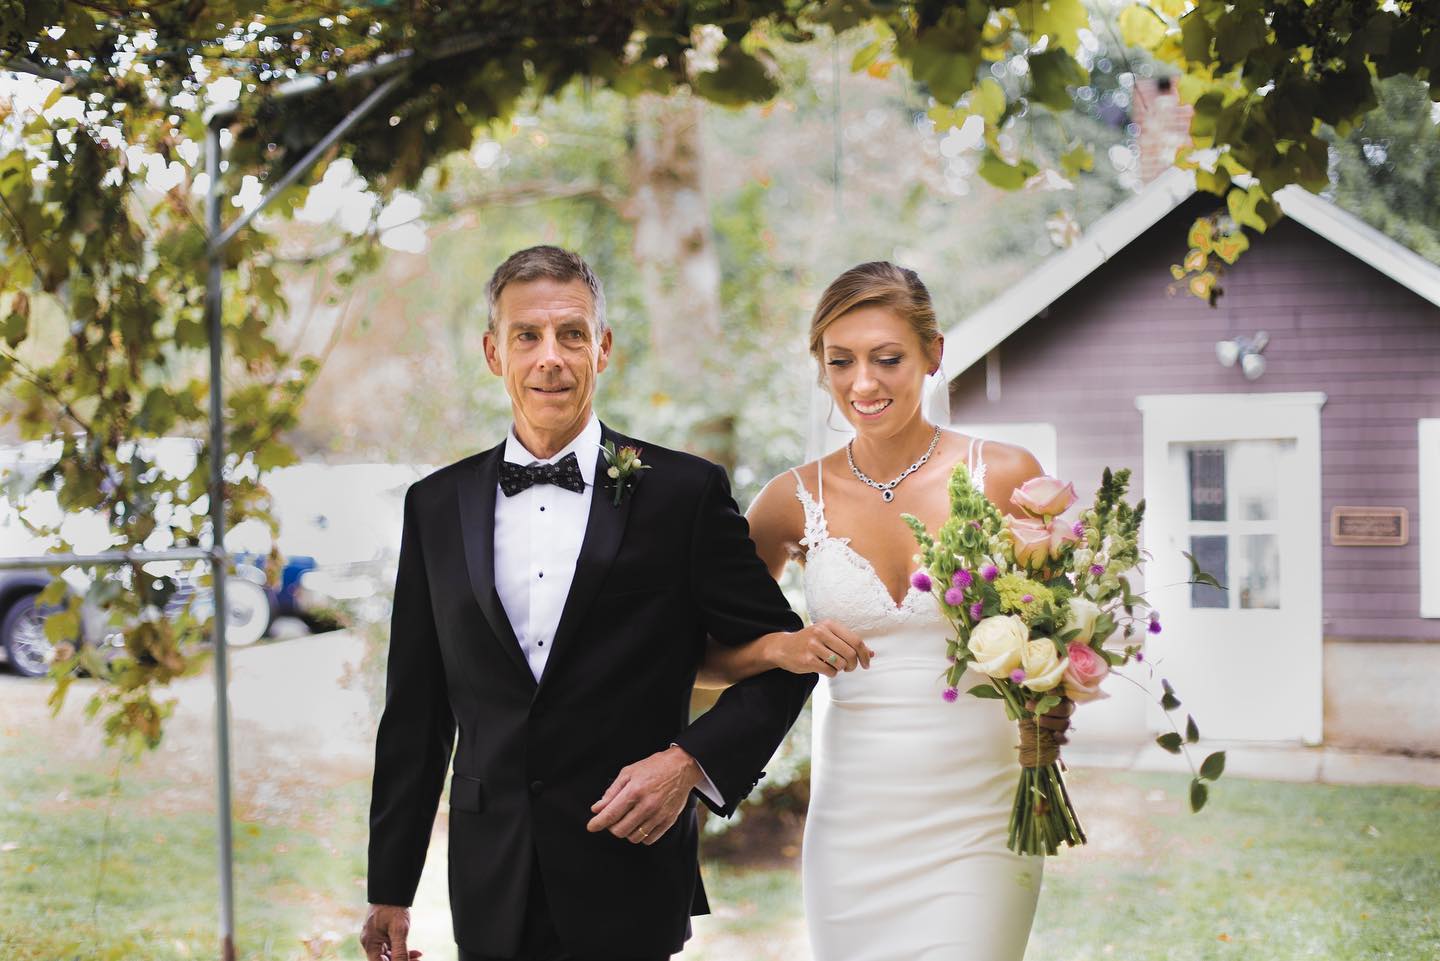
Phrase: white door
(1234,481)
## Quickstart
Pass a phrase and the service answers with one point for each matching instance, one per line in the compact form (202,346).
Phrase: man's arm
(416,734)
(739,601)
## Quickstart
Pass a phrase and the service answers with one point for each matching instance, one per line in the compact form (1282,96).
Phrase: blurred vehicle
(340,528)
(23,640)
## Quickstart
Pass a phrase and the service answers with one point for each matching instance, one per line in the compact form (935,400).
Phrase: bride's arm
(777,522)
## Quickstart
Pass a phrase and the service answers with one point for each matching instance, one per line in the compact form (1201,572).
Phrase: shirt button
(539,643)
(542,508)
(536,787)
(542,573)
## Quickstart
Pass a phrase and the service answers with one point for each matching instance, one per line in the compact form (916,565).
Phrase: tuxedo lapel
(477,525)
(603,533)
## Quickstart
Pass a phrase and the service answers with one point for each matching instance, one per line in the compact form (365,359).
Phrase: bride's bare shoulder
(1007,466)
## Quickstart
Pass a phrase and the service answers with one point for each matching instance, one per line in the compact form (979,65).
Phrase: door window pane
(1254,473)
(1259,564)
(1210,554)
(1207,483)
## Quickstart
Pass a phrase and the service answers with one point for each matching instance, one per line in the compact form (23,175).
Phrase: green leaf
(985,691)
(1197,576)
(1077,160)
(1142,27)
(1052,73)
(1169,702)
(1003,175)
(1238,33)
(738,80)
(1170,742)
(988,100)
(1061,20)
(945,62)
(1196,36)
(1199,794)
(1213,766)
(1192,730)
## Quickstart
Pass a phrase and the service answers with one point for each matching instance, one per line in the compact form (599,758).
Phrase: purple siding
(1336,325)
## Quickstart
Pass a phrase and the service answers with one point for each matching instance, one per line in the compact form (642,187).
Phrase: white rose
(1082,616)
(1043,667)
(996,643)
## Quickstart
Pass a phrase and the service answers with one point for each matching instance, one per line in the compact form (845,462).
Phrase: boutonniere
(624,467)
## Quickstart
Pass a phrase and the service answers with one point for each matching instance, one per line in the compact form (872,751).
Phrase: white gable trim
(980,332)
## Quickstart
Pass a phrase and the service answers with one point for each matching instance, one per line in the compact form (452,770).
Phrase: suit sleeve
(738,601)
(416,733)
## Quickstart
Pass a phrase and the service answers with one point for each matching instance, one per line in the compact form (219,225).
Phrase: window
(1233,521)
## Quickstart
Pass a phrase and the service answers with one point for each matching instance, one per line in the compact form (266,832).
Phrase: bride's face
(875,367)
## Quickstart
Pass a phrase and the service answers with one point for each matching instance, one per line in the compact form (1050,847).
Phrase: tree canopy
(103,266)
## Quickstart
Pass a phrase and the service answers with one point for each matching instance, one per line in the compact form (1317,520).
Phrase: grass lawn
(1268,871)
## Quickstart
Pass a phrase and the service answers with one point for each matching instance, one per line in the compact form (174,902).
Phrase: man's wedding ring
(832,659)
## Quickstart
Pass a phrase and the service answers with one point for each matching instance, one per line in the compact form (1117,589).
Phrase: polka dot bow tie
(565,473)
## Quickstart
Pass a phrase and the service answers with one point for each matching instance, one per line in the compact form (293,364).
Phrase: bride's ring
(832,659)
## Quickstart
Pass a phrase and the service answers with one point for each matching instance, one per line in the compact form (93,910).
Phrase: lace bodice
(842,585)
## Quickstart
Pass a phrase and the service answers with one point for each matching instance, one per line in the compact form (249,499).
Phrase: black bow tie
(565,473)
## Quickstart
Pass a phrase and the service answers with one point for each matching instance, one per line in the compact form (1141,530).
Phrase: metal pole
(219,240)
(217,563)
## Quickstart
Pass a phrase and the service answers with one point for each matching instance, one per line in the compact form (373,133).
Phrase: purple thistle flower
(921,580)
(950,695)
(1026,598)
(1096,570)
(1140,656)
(1017,675)
(962,579)
(1155,625)
(954,597)
(977,610)
(989,572)
(1079,529)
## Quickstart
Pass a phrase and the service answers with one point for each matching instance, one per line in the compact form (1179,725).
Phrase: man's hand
(383,937)
(646,797)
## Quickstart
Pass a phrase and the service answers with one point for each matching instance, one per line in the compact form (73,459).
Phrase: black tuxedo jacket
(671,565)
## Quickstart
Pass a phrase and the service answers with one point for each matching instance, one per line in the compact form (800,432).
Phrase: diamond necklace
(887,489)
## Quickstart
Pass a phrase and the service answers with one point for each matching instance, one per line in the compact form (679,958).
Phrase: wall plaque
(1369,526)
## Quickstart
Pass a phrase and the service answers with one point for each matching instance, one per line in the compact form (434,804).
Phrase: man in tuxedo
(561,633)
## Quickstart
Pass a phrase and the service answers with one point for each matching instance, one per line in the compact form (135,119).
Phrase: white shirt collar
(585,446)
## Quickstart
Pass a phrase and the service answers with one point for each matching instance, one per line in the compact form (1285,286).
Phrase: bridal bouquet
(1033,601)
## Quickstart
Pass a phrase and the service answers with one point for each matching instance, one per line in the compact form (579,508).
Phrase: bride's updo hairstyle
(878,283)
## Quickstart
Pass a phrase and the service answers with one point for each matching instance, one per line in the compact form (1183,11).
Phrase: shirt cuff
(706,786)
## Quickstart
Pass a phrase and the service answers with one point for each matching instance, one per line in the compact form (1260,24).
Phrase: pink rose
(1044,496)
(1031,539)
(1083,675)
(1061,534)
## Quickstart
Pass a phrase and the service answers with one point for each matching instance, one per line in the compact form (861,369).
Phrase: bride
(905,852)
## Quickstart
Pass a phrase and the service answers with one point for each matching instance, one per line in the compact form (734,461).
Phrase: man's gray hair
(548,263)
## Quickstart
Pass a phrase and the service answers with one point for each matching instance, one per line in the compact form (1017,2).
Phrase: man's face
(545,348)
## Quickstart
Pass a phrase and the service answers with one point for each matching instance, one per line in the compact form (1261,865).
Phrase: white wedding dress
(904,856)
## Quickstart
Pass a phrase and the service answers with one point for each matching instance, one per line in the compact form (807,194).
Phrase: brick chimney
(1164,124)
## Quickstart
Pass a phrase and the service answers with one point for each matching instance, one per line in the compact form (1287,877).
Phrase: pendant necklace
(887,489)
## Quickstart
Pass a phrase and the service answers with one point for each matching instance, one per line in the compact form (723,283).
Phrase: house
(1308,482)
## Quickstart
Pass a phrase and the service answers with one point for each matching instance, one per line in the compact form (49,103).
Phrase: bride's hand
(824,647)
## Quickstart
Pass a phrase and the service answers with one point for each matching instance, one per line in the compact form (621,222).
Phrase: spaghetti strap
(815,530)
(820,479)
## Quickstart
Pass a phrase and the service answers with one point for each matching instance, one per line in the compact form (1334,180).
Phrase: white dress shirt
(538,533)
